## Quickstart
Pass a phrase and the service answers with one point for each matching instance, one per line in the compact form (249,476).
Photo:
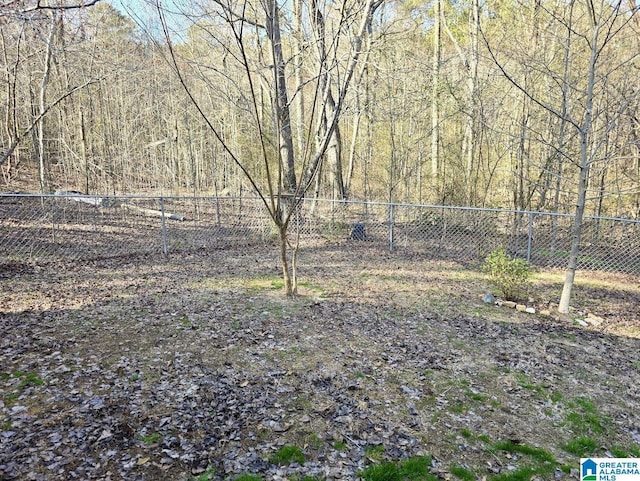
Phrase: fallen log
(108,203)
(152,212)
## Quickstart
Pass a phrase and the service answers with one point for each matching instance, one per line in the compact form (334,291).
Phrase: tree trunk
(288,275)
(42,108)
(585,163)
(570,274)
(283,116)
(334,147)
(298,47)
(435,94)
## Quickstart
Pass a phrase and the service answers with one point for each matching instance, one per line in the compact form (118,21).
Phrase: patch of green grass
(299,477)
(312,287)
(537,454)
(302,403)
(462,473)
(382,472)
(584,417)
(630,451)
(28,379)
(288,454)
(476,396)
(11,398)
(538,462)
(556,396)
(525,473)
(459,408)
(314,441)
(339,445)
(262,283)
(374,452)
(206,476)
(525,383)
(465,433)
(581,447)
(277,284)
(248,477)
(153,438)
(619,452)
(416,468)
(412,469)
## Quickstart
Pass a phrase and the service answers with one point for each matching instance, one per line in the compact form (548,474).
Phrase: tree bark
(42,106)
(283,115)
(435,92)
(585,163)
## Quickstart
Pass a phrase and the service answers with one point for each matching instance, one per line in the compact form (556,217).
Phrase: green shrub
(510,275)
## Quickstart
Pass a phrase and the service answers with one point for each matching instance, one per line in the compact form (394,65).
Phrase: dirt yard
(198,368)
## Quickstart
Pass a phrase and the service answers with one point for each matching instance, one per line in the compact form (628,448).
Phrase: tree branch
(522,89)
(11,8)
(19,138)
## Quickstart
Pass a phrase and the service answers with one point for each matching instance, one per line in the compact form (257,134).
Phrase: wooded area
(498,104)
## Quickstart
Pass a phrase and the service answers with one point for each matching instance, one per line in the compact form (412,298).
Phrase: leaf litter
(154,369)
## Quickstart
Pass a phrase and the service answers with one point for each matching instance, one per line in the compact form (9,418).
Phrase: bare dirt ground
(199,368)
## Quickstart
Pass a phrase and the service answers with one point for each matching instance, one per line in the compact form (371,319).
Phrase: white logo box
(610,469)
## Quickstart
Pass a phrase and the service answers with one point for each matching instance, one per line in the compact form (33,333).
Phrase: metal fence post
(530,237)
(391,221)
(165,249)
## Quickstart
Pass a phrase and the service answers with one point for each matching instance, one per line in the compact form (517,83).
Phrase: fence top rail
(305,199)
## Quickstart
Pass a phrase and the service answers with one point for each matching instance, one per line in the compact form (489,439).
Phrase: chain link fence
(77,227)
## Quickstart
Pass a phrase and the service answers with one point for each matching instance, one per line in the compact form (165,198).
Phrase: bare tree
(43,19)
(582,104)
(238,30)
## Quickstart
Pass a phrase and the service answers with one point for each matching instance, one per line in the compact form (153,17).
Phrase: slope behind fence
(75,227)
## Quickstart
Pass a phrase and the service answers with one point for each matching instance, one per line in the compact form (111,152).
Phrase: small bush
(509,275)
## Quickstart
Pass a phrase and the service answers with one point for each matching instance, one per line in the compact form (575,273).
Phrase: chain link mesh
(77,227)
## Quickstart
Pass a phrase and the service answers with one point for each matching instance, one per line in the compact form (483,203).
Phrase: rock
(594,320)
(488,298)
(530,310)
(580,322)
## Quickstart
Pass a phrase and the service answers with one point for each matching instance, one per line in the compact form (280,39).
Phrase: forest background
(507,104)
